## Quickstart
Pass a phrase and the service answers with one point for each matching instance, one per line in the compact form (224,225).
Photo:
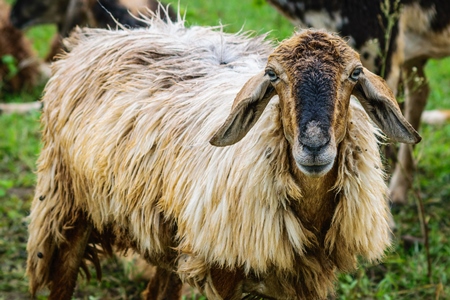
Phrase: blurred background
(418,266)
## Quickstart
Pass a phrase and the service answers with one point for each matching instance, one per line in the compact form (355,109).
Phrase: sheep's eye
(272,75)
(355,74)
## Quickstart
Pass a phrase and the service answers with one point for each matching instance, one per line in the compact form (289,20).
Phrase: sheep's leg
(224,284)
(165,285)
(416,93)
(67,260)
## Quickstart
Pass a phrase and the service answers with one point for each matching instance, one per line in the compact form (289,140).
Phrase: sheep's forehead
(314,46)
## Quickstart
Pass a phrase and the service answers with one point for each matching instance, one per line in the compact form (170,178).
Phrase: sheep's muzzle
(314,154)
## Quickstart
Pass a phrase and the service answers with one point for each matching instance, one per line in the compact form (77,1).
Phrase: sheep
(420,30)
(67,14)
(14,44)
(237,167)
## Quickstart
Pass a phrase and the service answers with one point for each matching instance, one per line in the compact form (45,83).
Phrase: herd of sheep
(244,168)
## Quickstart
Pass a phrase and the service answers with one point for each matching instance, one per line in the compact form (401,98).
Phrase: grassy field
(404,273)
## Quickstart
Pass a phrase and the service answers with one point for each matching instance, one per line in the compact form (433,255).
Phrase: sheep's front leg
(165,285)
(416,95)
(67,260)
(224,284)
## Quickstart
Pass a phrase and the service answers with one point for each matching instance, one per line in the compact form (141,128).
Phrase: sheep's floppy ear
(246,110)
(379,102)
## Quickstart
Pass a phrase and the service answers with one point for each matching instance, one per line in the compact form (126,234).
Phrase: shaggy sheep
(392,36)
(292,192)
(14,44)
(67,14)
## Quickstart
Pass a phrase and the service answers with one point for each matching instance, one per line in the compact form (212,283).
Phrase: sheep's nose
(314,138)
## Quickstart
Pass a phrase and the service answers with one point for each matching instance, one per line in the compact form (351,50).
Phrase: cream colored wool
(126,143)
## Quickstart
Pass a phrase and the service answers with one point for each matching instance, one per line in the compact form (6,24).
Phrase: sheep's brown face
(314,76)
(314,73)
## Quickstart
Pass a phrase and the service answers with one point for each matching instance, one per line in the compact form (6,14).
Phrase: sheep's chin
(315,170)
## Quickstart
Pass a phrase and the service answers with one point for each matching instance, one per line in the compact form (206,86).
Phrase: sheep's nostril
(315,148)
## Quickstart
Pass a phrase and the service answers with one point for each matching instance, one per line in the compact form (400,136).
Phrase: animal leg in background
(415,101)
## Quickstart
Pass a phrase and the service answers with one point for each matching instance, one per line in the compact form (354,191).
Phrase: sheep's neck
(318,202)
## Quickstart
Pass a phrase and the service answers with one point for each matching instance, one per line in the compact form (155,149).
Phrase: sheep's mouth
(315,170)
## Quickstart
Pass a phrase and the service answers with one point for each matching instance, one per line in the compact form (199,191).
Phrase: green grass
(401,275)
(254,15)
(438,73)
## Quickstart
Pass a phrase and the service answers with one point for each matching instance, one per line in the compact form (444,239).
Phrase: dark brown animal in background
(14,44)
(66,14)
(393,37)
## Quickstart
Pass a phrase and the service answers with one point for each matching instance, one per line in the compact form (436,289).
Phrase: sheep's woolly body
(141,168)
